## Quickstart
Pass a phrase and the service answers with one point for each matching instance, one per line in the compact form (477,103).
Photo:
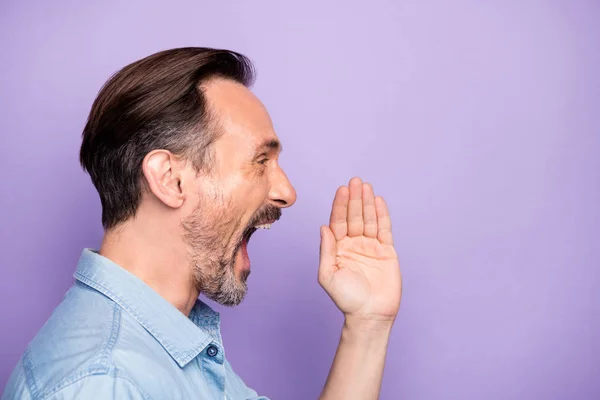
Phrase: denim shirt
(113,337)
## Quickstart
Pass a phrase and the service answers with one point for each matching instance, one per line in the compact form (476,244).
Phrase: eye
(263,161)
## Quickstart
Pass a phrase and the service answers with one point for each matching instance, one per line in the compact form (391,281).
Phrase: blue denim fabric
(113,337)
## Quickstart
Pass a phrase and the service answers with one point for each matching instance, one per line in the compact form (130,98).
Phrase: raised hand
(359,267)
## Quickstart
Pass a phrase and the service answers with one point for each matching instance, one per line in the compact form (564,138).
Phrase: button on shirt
(113,337)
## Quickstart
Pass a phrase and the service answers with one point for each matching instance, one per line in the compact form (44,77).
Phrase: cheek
(244,193)
(249,201)
(249,190)
(257,194)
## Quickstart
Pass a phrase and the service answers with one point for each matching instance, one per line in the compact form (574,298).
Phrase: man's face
(245,190)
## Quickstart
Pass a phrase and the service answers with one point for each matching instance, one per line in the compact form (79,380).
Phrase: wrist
(370,335)
(364,324)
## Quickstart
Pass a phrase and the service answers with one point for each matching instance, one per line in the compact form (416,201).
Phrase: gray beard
(213,262)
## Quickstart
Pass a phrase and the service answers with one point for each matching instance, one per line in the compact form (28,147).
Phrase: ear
(164,177)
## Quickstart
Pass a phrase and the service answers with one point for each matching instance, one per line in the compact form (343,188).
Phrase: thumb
(327,256)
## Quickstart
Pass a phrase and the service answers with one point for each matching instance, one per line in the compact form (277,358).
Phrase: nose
(282,193)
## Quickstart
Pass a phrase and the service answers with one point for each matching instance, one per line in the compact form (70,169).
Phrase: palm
(359,268)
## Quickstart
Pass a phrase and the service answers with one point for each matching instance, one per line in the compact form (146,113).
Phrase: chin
(233,287)
(241,276)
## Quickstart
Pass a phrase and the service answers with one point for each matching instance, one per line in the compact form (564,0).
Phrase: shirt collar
(182,337)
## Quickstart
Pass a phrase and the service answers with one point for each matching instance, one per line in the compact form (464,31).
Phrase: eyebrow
(271,144)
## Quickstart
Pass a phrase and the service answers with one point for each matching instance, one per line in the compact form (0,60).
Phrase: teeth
(263,226)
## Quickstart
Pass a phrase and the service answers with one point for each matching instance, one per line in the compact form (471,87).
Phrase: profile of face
(244,190)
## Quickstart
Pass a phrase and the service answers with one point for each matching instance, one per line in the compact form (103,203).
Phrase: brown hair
(154,103)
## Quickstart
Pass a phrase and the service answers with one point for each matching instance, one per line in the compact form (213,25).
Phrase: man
(185,160)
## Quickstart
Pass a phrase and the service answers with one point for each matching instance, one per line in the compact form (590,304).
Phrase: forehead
(239,113)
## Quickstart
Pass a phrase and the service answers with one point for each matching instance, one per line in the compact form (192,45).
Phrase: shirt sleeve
(103,386)
(16,387)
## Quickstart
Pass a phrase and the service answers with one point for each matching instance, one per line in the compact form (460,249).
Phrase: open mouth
(246,238)
(262,220)
(250,231)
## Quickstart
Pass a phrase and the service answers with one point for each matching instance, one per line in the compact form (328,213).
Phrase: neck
(147,250)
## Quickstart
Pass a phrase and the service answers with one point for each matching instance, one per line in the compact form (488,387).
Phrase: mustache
(266,213)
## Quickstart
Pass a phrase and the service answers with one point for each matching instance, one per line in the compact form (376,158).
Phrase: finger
(355,208)
(369,212)
(327,256)
(384,222)
(339,211)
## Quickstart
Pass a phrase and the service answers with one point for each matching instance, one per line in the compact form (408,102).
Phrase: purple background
(477,121)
